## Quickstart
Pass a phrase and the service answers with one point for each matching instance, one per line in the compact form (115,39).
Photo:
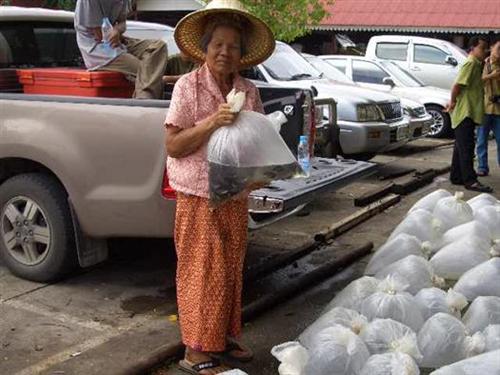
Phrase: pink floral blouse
(197,96)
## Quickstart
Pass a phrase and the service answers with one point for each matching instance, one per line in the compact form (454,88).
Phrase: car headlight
(407,111)
(368,112)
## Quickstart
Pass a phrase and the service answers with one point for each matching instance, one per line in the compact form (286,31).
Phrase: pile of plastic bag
(430,300)
(248,153)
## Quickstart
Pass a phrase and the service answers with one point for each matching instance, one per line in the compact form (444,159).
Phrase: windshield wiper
(296,77)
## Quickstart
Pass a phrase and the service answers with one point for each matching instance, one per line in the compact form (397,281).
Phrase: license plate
(403,133)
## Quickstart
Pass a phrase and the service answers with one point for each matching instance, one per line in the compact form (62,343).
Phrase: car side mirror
(388,81)
(451,60)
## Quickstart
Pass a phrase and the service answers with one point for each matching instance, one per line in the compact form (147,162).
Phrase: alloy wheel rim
(25,231)
(438,124)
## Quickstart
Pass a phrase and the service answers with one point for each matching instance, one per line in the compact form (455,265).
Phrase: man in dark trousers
(467,112)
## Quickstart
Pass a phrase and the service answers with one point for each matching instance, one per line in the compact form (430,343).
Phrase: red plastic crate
(75,82)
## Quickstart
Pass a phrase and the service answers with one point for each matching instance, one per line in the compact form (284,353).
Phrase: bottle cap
(303,138)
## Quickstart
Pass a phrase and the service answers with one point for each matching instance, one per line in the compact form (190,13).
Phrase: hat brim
(190,30)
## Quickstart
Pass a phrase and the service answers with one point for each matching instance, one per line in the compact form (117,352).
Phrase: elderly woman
(210,241)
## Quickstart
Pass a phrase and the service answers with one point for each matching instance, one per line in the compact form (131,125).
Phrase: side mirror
(451,60)
(388,81)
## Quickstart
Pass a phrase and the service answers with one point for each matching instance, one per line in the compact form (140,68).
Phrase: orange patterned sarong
(211,245)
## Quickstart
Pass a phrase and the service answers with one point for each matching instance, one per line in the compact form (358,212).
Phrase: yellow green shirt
(492,87)
(470,101)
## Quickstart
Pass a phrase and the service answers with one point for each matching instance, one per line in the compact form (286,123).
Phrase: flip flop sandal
(236,346)
(196,368)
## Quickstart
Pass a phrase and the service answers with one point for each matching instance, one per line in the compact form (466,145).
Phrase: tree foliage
(289,19)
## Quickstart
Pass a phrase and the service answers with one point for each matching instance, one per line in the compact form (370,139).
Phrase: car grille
(391,111)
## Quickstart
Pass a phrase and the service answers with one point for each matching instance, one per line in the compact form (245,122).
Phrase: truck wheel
(36,232)
(442,122)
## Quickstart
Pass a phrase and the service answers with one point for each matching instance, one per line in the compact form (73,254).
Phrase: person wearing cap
(143,61)
(210,240)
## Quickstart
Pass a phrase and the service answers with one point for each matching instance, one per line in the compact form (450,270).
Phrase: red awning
(414,15)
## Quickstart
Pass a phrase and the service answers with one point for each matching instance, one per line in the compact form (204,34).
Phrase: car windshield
(403,77)
(286,64)
(328,70)
(460,53)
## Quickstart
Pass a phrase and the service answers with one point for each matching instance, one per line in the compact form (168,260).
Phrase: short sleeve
(257,102)
(89,13)
(465,74)
(181,110)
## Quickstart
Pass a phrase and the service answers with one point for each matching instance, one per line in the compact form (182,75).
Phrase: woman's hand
(223,116)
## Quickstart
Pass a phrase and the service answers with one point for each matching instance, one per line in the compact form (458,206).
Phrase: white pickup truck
(76,171)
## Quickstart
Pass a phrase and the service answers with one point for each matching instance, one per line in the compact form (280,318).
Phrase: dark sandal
(479,187)
(196,368)
(234,346)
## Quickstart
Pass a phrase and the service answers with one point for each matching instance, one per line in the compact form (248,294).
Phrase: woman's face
(224,50)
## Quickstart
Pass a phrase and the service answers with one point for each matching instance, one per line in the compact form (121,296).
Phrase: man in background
(177,66)
(467,112)
(142,60)
(491,78)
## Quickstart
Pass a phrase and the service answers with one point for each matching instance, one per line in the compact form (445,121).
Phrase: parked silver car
(420,120)
(369,122)
(388,77)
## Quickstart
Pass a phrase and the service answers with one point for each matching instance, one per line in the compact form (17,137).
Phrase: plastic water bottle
(303,155)
(107,28)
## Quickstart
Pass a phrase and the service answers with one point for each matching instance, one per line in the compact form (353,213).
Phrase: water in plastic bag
(421,224)
(467,230)
(443,340)
(482,200)
(397,248)
(429,201)
(484,364)
(353,294)
(339,315)
(391,301)
(248,152)
(393,363)
(293,358)
(453,260)
(336,351)
(490,216)
(453,211)
(492,336)
(482,280)
(434,300)
(482,312)
(387,335)
(415,271)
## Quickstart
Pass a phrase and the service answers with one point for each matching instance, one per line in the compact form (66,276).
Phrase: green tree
(289,19)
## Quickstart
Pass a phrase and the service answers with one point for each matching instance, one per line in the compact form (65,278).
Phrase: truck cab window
(392,51)
(429,55)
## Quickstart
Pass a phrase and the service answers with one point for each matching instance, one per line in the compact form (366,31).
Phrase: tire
(442,127)
(36,231)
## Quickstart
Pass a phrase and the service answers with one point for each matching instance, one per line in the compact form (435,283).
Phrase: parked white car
(389,77)
(434,61)
(420,120)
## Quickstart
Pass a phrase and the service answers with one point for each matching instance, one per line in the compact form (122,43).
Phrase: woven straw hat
(190,30)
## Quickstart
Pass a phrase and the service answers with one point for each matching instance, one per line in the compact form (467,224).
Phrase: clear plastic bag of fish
(387,335)
(397,248)
(392,363)
(492,337)
(421,224)
(434,300)
(354,293)
(482,312)
(248,153)
(467,230)
(429,201)
(293,358)
(482,200)
(336,351)
(444,340)
(416,271)
(339,315)
(482,280)
(490,217)
(453,211)
(484,364)
(391,301)
(453,260)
